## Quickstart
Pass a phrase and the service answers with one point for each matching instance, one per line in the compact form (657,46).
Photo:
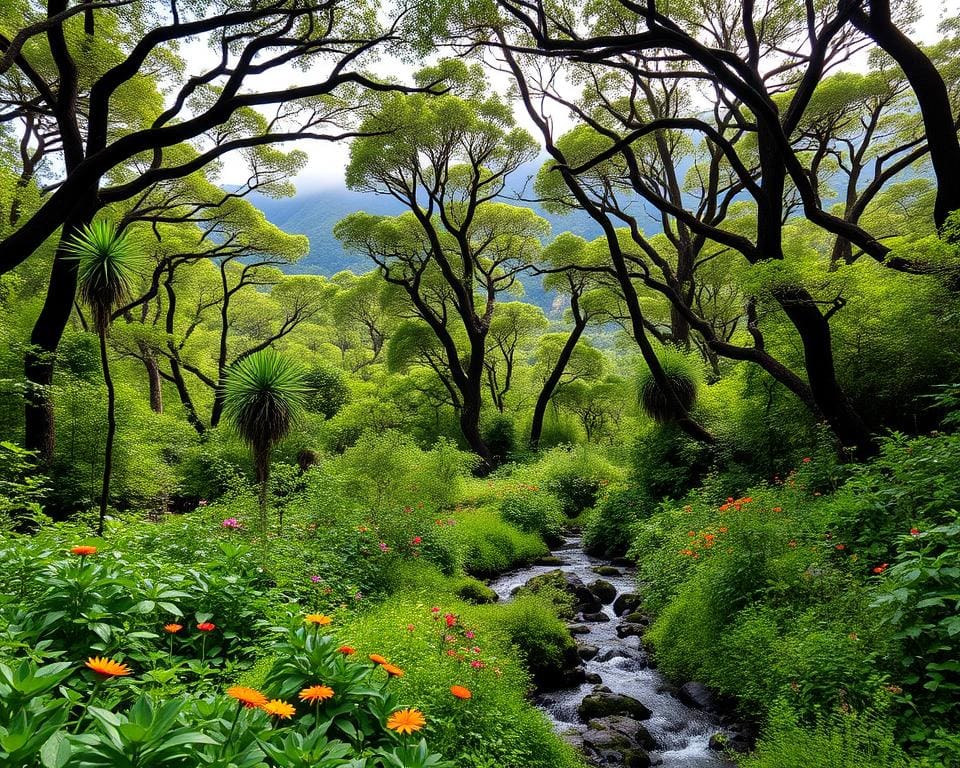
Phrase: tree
(107,104)
(574,274)
(514,328)
(747,139)
(263,396)
(447,158)
(107,266)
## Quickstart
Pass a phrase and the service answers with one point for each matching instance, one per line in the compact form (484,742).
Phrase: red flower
(881,568)
(83,550)
(206,626)
(417,540)
(914,531)
(840,547)
(450,619)
(806,459)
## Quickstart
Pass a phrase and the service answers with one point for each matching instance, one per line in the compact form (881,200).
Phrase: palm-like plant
(264,395)
(107,267)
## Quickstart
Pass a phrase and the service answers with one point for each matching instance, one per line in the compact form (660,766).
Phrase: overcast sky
(327,160)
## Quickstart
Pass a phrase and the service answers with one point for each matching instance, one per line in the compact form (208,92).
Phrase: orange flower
(316,693)
(406,721)
(84,550)
(840,547)
(377,659)
(107,667)
(346,650)
(172,628)
(249,697)
(460,692)
(320,619)
(881,568)
(281,709)
(206,626)
(392,671)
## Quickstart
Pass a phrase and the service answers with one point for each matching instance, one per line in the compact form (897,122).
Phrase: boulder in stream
(587,651)
(600,704)
(626,630)
(627,602)
(617,741)
(606,570)
(605,592)
(584,600)
(595,617)
(698,696)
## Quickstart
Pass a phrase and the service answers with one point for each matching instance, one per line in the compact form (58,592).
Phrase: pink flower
(202,503)
(806,459)
(448,638)
(384,547)
(477,664)
(315,579)
(469,634)
(230,522)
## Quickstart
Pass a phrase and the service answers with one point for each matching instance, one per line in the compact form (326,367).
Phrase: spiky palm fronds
(108,264)
(264,394)
(683,374)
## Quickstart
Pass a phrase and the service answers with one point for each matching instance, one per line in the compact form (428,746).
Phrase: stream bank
(624,712)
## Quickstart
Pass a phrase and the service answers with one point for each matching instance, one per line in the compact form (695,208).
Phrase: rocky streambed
(614,704)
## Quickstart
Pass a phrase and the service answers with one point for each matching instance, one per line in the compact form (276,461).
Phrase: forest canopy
(631,279)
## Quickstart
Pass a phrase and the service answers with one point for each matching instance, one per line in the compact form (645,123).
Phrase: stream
(680,733)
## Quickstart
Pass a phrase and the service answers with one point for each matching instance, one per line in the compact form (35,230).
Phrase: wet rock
(593,677)
(584,600)
(620,653)
(625,726)
(606,570)
(602,704)
(627,602)
(604,744)
(605,592)
(698,696)
(595,617)
(578,629)
(633,641)
(637,618)
(549,560)
(718,742)
(587,652)
(626,630)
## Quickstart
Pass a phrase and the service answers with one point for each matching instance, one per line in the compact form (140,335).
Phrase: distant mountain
(315,212)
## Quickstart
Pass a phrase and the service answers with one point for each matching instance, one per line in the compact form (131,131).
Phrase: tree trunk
(153,378)
(550,385)
(39,424)
(111,431)
(832,401)
(931,94)
(470,426)
(216,413)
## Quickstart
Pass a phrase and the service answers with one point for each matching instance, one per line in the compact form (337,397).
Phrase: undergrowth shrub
(609,528)
(535,511)
(840,739)
(486,545)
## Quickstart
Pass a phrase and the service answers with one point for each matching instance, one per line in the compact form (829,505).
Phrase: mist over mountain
(315,212)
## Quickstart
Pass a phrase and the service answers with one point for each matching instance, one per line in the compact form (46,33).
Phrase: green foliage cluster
(819,598)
